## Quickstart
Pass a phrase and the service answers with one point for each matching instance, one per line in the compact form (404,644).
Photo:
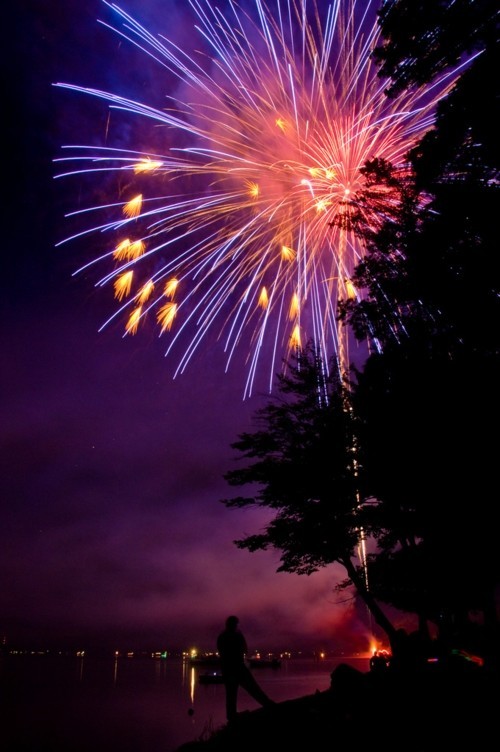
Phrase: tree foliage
(427,399)
(416,430)
(422,38)
(302,466)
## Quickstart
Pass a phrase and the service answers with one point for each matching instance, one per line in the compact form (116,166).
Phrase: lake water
(70,704)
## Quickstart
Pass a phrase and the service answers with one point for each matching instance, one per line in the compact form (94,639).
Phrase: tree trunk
(380,618)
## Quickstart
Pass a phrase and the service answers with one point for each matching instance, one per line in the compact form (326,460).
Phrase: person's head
(232,623)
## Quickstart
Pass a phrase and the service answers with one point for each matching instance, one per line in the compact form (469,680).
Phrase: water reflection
(153,707)
(185,668)
(192,683)
(81,663)
(160,669)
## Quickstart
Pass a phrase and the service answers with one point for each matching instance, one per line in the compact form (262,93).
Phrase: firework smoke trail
(235,221)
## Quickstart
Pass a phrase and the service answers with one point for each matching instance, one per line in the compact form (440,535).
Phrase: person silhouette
(232,648)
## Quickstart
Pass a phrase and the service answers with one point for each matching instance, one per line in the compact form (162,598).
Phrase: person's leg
(249,683)
(231,697)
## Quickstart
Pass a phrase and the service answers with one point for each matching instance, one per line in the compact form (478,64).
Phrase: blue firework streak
(230,218)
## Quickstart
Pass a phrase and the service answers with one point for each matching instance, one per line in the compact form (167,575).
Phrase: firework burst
(237,221)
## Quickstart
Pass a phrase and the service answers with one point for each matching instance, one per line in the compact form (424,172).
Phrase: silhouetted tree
(302,465)
(416,433)
(423,38)
(427,399)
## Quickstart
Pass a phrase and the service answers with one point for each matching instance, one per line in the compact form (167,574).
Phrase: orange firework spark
(249,208)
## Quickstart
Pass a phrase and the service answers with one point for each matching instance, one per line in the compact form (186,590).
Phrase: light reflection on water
(131,704)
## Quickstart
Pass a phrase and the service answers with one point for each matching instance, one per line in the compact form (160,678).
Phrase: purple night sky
(112,471)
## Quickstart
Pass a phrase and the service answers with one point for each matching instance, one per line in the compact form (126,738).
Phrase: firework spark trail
(236,226)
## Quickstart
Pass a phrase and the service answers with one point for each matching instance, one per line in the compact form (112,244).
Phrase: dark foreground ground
(437,708)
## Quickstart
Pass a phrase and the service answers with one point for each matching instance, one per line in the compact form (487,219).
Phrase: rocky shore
(439,707)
